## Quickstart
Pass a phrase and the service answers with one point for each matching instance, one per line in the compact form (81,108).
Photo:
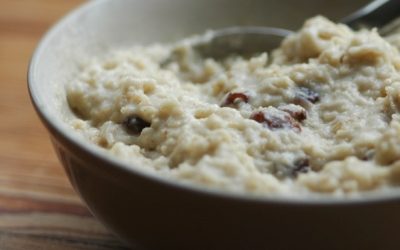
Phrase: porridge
(320,114)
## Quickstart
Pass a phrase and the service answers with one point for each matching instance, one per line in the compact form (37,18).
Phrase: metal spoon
(250,40)
(378,13)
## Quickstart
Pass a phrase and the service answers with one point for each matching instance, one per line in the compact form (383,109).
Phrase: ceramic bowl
(153,213)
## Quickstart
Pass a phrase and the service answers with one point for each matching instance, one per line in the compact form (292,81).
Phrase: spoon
(249,40)
(378,13)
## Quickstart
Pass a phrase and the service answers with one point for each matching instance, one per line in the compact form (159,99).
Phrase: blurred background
(38,207)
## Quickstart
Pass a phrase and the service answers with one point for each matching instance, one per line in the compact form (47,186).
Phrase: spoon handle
(376,14)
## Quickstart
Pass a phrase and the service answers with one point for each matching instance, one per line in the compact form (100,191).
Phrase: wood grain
(38,207)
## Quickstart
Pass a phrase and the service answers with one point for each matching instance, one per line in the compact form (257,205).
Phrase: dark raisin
(296,112)
(301,166)
(259,117)
(134,124)
(298,115)
(367,155)
(234,98)
(307,94)
(276,121)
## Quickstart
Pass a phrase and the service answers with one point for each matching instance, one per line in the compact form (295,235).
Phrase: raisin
(367,155)
(234,98)
(275,121)
(306,94)
(301,166)
(134,124)
(297,112)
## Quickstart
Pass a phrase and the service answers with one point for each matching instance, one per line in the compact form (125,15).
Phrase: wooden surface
(38,207)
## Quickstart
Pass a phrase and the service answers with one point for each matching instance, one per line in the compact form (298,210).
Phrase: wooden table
(38,207)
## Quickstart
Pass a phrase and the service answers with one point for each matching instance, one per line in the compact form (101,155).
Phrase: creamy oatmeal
(318,115)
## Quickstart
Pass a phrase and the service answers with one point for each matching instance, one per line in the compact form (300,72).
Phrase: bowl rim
(58,126)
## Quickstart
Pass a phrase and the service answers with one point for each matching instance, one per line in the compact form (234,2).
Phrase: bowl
(150,212)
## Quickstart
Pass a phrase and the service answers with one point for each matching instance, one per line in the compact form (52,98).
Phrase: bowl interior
(104,24)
